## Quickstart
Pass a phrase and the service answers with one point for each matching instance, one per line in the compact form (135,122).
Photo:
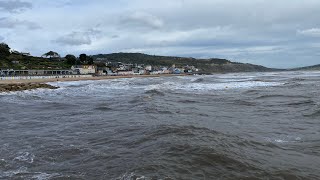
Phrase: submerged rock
(24,86)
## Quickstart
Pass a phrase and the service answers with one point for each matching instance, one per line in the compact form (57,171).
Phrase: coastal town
(111,69)
(88,71)
(15,65)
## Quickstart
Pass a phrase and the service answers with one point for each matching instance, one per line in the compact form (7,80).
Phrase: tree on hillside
(83,58)
(71,59)
(51,54)
(4,50)
(90,60)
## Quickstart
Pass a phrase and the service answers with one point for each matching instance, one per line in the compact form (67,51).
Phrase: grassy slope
(26,62)
(308,68)
(206,65)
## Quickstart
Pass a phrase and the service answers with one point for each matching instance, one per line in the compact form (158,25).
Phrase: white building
(110,73)
(148,68)
(125,73)
(160,72)
(142,71)
(84,69)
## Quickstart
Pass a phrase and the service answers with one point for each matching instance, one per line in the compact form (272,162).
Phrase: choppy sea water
(227,126)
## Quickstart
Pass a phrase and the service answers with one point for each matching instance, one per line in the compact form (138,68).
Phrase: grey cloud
(79,38)
(314,32)
(115,36)
(244,13)
(1,38)
(74,39)
(201,36)
(11,23)
(264,32)
(63,3)
(93,32)
(14,6)
(217,24)
(141,20)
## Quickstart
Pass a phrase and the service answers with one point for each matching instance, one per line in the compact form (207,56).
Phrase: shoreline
(40,81)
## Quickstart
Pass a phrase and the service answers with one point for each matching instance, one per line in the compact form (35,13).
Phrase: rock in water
(24,86)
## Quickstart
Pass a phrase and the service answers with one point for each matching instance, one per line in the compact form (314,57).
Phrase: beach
(83,78)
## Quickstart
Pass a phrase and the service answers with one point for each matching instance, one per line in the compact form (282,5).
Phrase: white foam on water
(108,84)
(194,87)
(27,93)
(3,162)
(232,85)
(25,157)
(24,170)
(298,138)
(218,82)
(207,87)
(70,83)
(280,141)
(9,174)
(162,86)
(70,89)
(44,176)
(285,139)
(130,176)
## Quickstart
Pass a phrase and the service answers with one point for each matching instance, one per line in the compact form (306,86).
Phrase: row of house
(118,68)
(12,72)
(111,69)
(75,70)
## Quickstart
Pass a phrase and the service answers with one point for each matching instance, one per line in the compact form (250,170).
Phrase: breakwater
(24,86)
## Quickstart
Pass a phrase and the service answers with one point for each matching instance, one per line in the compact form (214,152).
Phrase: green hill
(205,65)
(10,59)
(308,68)
(29,62)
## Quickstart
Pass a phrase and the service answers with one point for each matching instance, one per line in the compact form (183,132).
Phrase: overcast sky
(273,33)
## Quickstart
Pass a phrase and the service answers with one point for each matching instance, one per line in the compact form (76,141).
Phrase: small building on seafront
(84,69)
(125,73)
(33,72)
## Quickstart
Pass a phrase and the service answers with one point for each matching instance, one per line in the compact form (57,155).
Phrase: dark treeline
(11,59)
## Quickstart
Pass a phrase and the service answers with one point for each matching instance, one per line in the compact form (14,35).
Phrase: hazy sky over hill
(274,33)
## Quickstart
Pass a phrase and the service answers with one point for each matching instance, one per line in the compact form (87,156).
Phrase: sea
(206,127)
